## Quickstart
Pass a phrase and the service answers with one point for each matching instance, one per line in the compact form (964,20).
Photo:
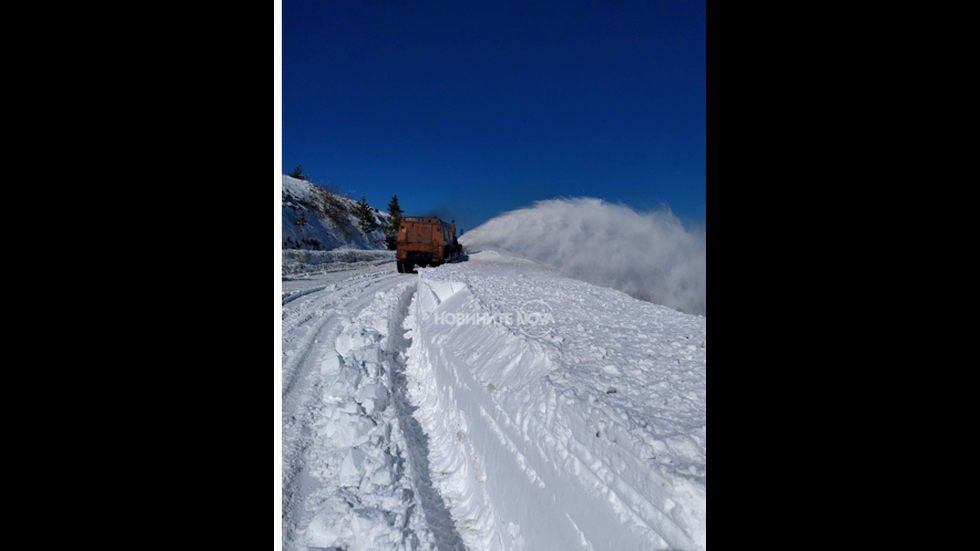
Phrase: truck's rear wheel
(401,266)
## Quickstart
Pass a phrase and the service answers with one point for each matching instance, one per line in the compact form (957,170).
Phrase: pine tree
(301,221)
(368,222)
(394,221)
(298,173)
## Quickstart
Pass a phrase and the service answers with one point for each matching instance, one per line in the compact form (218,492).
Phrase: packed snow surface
(491,404)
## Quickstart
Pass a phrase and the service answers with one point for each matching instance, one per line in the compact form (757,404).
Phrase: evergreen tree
(368,222)
(301,221)
(298,173)
(395,220)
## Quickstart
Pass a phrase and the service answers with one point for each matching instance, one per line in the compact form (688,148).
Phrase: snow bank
(586,432)
(649,256)
(298,261)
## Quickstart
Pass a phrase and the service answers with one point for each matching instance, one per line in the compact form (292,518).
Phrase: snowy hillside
(326,221)
(489,405)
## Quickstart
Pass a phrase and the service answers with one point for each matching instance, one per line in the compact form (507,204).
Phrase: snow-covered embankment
(586,432)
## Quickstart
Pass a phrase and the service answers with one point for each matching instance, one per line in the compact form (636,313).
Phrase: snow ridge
(554,442)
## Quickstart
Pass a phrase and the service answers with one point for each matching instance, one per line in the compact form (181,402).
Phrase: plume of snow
(648,255)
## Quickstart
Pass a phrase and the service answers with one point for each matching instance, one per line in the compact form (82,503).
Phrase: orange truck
(425,241)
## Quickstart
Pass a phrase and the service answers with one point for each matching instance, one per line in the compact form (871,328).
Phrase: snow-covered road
(489,405)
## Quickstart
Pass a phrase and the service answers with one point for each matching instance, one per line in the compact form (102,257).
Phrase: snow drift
(592,435)
(649,256)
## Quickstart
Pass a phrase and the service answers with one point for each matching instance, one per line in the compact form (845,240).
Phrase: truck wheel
(401,266)
(409,267)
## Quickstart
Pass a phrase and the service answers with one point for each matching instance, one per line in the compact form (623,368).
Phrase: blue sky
(471,108)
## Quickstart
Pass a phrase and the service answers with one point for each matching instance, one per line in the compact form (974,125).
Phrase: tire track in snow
(299,335)
(618,492)
(437,515)
(310,326)
(300,294)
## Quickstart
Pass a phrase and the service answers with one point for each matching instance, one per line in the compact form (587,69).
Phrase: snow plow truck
(425,241)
